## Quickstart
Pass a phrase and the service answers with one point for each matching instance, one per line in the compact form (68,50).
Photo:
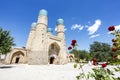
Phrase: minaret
(61,34)
(38,51)
(60,28)
(31,36)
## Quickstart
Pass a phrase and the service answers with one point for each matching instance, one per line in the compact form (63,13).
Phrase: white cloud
(93,36)
(110,32)
(117,27)
(64,28)
(86,26)
(55,28)
(76,26)
(92,29)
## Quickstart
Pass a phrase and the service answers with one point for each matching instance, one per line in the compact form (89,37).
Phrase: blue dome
(43,12)
(33,25)
(49,30)
(60,21)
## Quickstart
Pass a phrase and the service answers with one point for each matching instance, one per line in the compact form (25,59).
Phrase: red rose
(73,44)
(115,44)
(113,40)
(111,28)
(115,57)
(104,65)
(69,48)
(94,61)
(74,41)
(114,49)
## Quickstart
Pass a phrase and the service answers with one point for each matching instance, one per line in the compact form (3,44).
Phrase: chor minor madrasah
(42,46)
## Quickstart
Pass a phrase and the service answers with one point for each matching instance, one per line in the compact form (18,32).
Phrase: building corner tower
(31,36)
(61,34)
(38,53)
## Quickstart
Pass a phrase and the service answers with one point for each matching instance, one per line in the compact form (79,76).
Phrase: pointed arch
(53,53)
(17,57)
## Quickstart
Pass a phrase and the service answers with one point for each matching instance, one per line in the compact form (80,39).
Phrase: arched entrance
(53,53)
(71,58)
(17,57)
(52,60)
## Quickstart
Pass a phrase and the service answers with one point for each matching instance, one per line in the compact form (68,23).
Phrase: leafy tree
(83,54)
(99,49)
(6,42)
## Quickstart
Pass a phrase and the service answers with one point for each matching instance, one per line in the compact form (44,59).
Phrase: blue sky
(85,20)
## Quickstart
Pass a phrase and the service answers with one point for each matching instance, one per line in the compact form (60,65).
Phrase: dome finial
(43,12)
(60,21)
(49,30)
(33,25)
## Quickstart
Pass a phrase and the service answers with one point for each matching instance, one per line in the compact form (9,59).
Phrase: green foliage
(101,74)
(82,74)
(115,62)
(98,50)
(6,41)
(79,77)
(117,69)
(81,54)
(75,65)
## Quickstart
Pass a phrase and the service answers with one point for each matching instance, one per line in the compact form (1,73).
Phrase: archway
(17,57)
(52,60)
(71,58)
(54,50)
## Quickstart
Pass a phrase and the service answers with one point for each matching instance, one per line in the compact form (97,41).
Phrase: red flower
(73,44)
(69,48)
(111,28)
(115,57)
(114,49)
(94,61)
(115,44)
(104,65)
(74,41)
(113,40)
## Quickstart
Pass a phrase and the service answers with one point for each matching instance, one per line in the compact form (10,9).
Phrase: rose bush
(101,72)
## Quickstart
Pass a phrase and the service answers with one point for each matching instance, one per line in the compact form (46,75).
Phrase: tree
(83,54)
(6,42)
(99,49)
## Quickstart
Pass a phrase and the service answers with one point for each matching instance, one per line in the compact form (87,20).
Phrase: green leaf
(75,65)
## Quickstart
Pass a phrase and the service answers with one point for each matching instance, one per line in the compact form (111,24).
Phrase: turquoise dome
(33,25)
(60,21)
(49,30)
(43,12)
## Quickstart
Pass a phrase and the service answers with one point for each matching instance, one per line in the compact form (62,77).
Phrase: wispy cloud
(93,36)
(64,28)
(55,28)
(77,26)
(117,27)
(92,29)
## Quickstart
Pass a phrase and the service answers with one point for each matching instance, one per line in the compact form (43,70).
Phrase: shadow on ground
(6,67)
